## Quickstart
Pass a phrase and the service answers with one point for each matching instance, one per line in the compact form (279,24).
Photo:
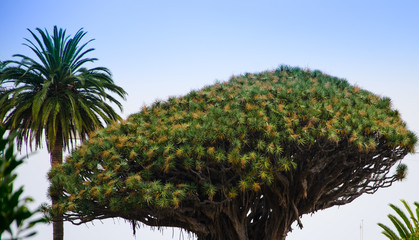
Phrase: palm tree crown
(55,92)
(56,96)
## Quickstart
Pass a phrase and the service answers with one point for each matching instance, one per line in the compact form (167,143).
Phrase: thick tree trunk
(237,222)
(223,229)
(56,156)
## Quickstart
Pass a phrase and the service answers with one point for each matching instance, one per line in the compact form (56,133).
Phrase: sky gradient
(157,49)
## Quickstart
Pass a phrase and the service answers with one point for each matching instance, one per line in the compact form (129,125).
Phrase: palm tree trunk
(56,156)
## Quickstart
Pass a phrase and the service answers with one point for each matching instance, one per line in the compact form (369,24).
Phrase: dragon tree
(241,159)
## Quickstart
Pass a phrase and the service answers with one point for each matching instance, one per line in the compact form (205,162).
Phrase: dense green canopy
(259,147)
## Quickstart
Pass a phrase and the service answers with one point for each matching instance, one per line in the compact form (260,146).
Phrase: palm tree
(408,229)
(54,96)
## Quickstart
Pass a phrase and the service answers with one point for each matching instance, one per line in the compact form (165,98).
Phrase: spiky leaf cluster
(407,225)
(233,138)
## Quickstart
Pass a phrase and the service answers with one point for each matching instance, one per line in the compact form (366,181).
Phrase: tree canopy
(241,159)
(54,93)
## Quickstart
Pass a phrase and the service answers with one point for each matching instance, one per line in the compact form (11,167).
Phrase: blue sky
(157,49)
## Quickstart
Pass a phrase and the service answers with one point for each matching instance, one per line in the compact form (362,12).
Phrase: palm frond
(404,227)
(388,232)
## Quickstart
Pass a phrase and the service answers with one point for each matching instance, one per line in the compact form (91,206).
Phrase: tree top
(244,137)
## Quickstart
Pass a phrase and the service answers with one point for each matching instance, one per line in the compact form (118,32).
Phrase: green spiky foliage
(16,220)
(55,96)
(407,225)
(241,159)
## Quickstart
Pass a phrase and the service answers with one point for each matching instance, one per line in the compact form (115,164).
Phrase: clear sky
(157,49)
